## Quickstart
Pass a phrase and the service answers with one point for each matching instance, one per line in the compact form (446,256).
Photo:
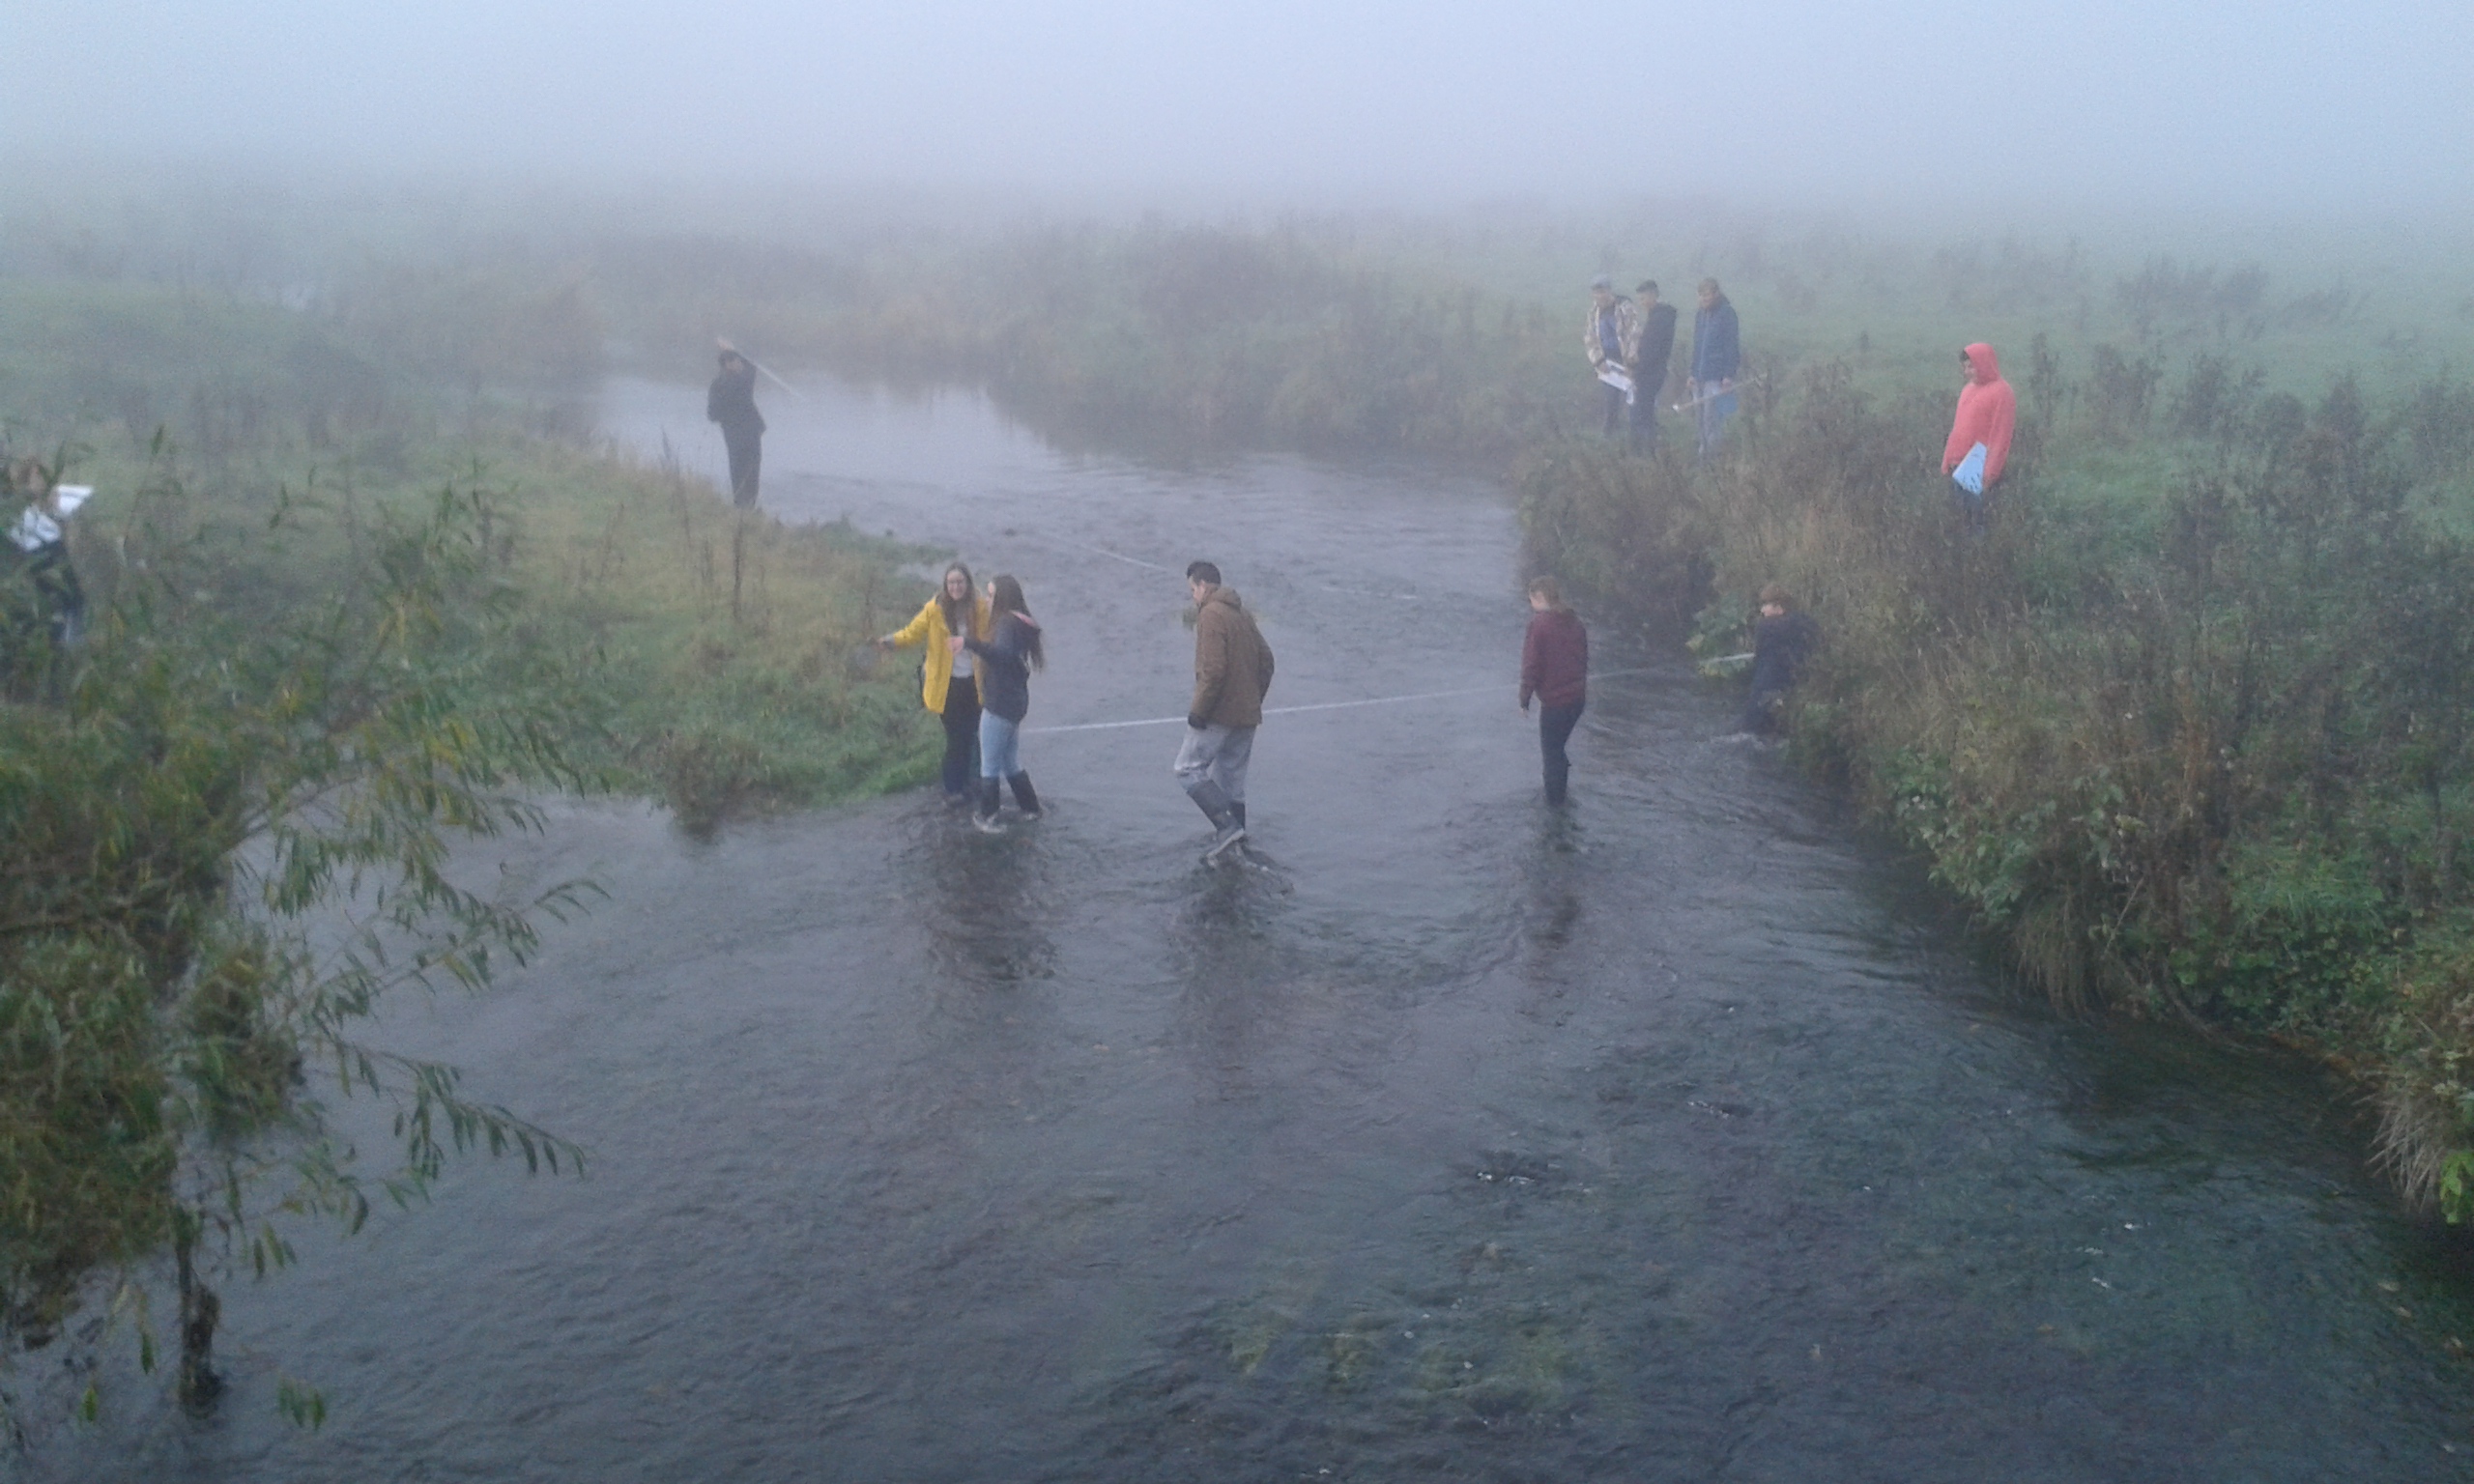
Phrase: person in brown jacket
(1233,674)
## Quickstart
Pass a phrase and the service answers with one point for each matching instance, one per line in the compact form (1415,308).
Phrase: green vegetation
(349,607)
(2184,727)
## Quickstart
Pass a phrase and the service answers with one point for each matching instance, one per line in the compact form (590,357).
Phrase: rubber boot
(1218,808)
(984,817)
(1237,811)
(1026,795)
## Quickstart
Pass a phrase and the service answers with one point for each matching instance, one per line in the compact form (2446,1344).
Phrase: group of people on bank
(1631,343)
(980,648)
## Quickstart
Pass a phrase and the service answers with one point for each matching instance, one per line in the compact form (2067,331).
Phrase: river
(1681,1137)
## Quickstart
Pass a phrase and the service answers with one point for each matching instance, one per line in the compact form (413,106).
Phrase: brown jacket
(1232,664)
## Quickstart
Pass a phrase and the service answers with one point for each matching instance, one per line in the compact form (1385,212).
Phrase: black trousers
(746,448)
(961,734)
(1555,726)
(1645,423)
(1615,409)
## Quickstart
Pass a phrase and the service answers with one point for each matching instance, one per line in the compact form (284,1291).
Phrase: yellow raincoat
(928,630)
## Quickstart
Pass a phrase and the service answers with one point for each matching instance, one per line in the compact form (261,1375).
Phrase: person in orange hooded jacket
(1988,410)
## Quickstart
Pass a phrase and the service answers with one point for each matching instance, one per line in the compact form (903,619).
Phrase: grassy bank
(2186,727)
(710,652)
(341,615)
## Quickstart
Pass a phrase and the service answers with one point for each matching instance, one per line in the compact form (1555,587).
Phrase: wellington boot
(1024,795)
(1213,801)
(1222,810)
(984,817)
(1237,811)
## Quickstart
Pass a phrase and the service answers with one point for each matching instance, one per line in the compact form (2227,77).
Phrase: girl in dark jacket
(1007,656)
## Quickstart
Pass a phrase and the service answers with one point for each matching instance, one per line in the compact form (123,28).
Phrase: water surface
(1680,1137)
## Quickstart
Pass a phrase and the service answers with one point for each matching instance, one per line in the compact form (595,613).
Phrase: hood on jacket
(1980,356)
(1224,593)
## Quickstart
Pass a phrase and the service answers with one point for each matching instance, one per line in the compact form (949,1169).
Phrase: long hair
(958,616)
(1008,599)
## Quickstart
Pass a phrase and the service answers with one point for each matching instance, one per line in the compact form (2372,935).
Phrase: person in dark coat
(730,402)
(1656,348)
(1554,669)
(1782,639)
(1007,656)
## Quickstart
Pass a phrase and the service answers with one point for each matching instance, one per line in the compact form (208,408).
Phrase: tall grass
(2200,754)
(350,605)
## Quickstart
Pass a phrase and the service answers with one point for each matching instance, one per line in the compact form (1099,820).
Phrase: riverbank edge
(1929,636)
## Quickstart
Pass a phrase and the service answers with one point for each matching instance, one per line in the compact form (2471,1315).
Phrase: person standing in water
(1007,656)
(1233,674)
(946,683)
(1554,669)
(730,402)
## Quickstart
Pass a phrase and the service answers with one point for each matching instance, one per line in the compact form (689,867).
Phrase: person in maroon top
(1554,668)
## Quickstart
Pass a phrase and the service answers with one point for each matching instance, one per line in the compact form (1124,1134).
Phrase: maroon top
(1554,660)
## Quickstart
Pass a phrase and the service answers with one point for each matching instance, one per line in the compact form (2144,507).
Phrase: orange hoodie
(1987,411)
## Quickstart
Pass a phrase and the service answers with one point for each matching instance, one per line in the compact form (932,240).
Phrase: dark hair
(1202,572)
(971,597)
(1774,593)
(1008,599)
(1545,586)
(1646,286)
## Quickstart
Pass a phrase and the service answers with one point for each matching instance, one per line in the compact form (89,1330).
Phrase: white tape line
(1102,550)
(1326,705)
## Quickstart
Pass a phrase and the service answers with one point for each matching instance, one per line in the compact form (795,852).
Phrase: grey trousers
(1216,755)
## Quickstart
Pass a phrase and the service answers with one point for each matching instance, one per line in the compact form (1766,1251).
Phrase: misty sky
(2274,104)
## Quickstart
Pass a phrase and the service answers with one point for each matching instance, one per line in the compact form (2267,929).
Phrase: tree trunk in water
(200,1310)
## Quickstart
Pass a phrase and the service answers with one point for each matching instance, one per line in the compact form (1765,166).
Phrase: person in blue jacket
(1717,357)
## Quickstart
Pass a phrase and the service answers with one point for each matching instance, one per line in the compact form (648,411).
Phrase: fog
(1946,109)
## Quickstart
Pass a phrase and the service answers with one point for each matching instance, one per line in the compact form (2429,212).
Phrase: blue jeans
(1714,414)
(1000,745)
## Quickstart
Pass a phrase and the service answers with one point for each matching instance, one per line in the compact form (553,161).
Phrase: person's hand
(882,641)
(1197,723)
(1524,708)
(954,646)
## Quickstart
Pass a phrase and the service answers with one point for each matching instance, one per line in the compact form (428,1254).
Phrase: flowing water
(1682,1137)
